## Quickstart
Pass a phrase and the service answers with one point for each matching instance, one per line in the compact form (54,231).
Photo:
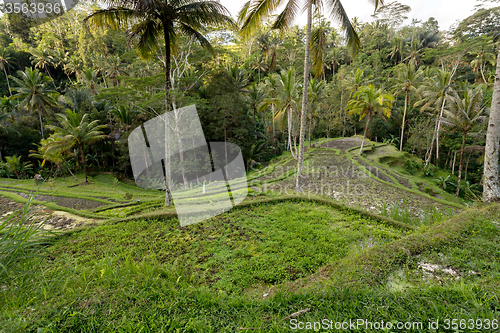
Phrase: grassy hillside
(119,261)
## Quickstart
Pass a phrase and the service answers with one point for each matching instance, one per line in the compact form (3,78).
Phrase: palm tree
(434,92)
(4,61)
(398,46)
(33,92)
(89,79)
(407,80)
(464,115)
(54,156)
(271,83)
(75,130)
(286,102)
(152,22)
(491,190)
(73,65)
(255,11)
(255,98)
(483,57)
(367,102)
(315,90)
(42,59)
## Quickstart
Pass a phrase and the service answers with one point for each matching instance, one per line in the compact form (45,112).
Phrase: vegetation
(379,212)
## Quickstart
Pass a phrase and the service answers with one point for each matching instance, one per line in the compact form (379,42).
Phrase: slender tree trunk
(300,163)
(491,190)
(67,166)
(168,194)
(41,123)
(482,74)
(453,166)
(290,134)
(438,128)
(274,134)
(82,159)
(460,165)
(368,119)
(403,124)
(467,167)
(7,77)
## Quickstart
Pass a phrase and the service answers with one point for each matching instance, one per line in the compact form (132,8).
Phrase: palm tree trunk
(41,123)
(304,98)
(403,124)
(439,127)
(274,135)
(67,166)
(467,167)
(168,195)
(309,139)
(82,160)
(7,77)
(482,73)
(364,135)
(460,165)
(491,190)
(290,134)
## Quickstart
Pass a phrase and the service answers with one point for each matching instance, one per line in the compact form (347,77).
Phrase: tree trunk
(7,77)
(41,123)
(366,130)
(438,128)
(168,195)
(290,133)
(309,136)
(403,124)
(304,98)
(467,167)
(82,160)
(491,190)
(274,134)
(460,165)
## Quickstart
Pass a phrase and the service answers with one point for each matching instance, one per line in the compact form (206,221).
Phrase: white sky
(445,11)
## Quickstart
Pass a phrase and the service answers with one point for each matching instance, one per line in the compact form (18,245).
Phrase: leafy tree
(150,22)
(75,130)
(4,61)
(367,102)
(33,92)
(465,115)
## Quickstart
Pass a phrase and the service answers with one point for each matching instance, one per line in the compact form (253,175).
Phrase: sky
(446,12)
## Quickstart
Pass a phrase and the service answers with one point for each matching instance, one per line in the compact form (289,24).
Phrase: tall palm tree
(464,115)
(271,83)
(434,92)
(367,102)
(482,58)
(42,59)
(153,22)
(407,79)
(255,11)
(286,102)
(33,92)
(4,61)
(315,90)
(76,130)
(491,190)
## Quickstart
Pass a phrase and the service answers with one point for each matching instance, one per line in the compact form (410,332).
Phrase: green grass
(153,276)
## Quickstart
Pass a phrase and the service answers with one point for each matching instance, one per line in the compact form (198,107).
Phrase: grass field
(273,264)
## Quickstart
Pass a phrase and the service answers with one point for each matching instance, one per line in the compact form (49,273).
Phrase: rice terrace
(268,166)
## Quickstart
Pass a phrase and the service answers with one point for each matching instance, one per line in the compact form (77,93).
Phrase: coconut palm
(255,11)
(4,61)
(491,188)
(286,102)
(434,91)
(55,156)
(407,79)
(465,115)
(271,83)
(315,90)
(367,102)
(42,59)
(75,130)
(33,92)
(398,47)
(153,22)
(482,58)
